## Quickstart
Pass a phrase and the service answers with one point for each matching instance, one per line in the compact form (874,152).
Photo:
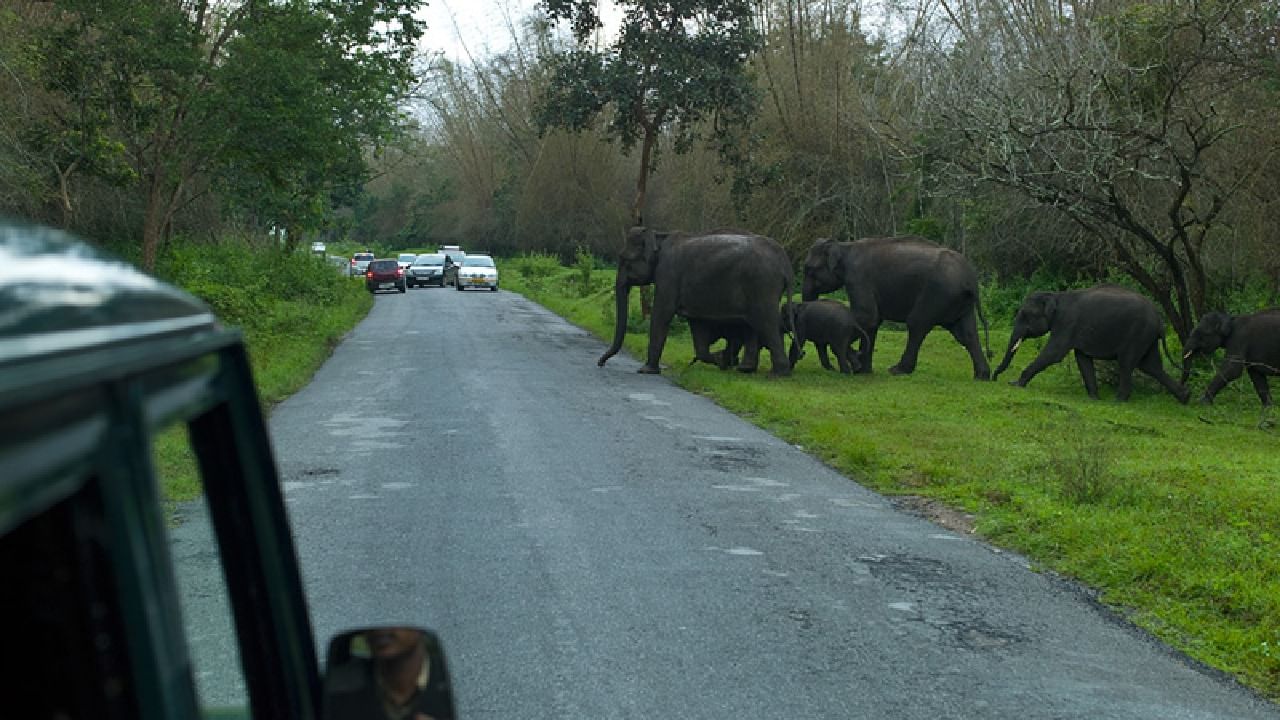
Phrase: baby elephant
(738,337)
(1104,322)
(1252,343)
(825,323)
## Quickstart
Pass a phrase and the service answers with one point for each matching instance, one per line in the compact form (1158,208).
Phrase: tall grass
(1171,512)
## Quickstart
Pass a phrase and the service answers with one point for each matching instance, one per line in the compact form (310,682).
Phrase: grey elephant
(826,324)
(1252,343)
(721,275)
(904,279)
(1104,322)
(737,335)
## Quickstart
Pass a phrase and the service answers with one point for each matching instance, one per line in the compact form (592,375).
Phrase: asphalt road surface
(593,543)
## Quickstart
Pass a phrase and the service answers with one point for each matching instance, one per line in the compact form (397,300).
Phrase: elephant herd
(736,286)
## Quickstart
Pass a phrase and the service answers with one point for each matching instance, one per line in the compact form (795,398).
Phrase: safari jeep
(98,613)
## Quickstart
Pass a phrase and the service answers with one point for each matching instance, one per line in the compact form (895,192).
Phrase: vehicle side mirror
(371,672)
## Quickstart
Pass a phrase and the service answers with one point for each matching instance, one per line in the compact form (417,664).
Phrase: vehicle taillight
(353,261)
(369,274)
(399,271)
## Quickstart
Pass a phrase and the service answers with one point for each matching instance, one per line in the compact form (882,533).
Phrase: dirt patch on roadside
(947,517)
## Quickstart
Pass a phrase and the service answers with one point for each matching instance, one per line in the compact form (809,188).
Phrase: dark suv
(111,600)
(384,275)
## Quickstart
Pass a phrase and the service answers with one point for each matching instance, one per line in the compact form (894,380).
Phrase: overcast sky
(454,26)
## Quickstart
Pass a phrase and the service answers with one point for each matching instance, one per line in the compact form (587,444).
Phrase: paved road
(593,543)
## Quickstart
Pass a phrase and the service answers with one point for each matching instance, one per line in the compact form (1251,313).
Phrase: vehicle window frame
(126,391)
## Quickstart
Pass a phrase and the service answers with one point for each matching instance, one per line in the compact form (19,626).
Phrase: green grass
(293,310)
(1171,512)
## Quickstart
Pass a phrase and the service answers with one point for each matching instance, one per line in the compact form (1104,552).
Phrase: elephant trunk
(1014,342)
(1187,358)
(808,291)
(622,292)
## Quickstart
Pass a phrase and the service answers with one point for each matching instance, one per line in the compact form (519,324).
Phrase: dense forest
(1062,141)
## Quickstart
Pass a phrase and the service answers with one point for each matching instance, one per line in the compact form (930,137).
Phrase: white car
(477,271)
(405,260)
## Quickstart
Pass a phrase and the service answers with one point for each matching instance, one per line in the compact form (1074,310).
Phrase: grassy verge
(293,309)
(1171,512)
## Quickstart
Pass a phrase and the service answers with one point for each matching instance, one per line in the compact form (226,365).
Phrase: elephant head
(1033,320)
(1210,334)
(636,266)
(822,269)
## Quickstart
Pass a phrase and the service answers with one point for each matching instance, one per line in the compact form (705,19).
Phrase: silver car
(477,271)
(427,269)
(360,263)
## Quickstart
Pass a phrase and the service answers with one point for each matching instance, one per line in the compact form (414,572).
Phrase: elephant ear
(1050,305)
(830,253)
(652,243)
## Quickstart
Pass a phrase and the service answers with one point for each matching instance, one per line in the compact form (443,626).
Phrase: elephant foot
(649,370)
(780,373)
(1183,396)
(1206,400)
(984,376)
(899,370)
(743,369)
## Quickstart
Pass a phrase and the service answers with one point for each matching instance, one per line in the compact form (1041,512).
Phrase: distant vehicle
(477,271)
(405,260)
(360,262)
(384,275)
(427,269)
(318,248)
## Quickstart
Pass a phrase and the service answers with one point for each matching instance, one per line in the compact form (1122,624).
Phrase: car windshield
(478,261)
(429,260)
(406,257)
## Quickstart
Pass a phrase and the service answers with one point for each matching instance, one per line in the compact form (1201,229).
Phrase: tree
(1118,118)
(676,65)
(275,99)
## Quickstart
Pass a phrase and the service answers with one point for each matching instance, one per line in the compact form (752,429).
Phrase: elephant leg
(1261,386)
(659,326)
(750,353)
(842,351)
(867,347)
(1050,355)
(1087,373)
(703,336)
(1151,365)
(965,331)
(915,338)
(822,356)
(765,327)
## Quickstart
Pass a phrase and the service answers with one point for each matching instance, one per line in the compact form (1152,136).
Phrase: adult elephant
(904,279)
(721,276)
(1104,322)
(1252,343)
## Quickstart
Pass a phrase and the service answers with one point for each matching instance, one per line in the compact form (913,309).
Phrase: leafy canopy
(673,64)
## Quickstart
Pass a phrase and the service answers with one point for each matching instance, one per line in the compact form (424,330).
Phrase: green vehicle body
(95,357)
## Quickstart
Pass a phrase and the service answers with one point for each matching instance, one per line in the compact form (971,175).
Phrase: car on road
(427,269)
(384,274)
(360,262)
(477,271)
(405,260)
(102,593)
